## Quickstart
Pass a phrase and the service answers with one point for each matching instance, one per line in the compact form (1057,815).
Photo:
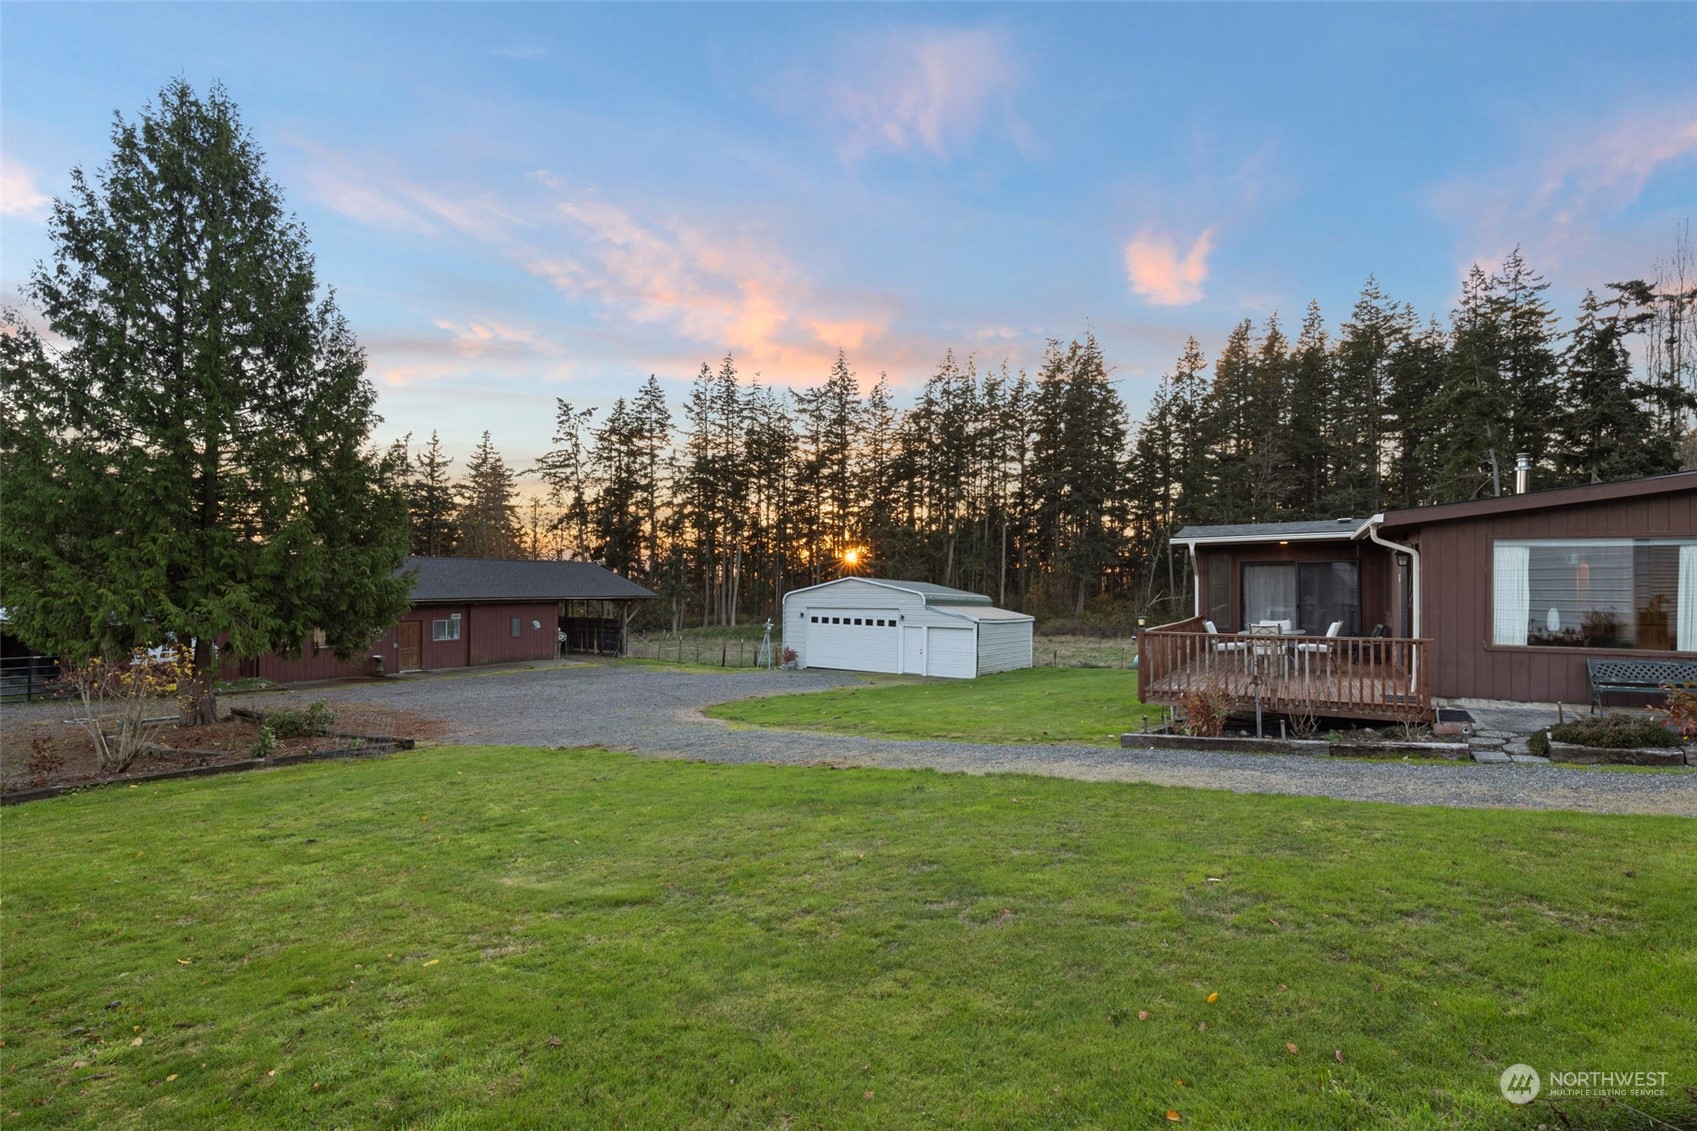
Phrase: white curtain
(1687,599)
(1512,593)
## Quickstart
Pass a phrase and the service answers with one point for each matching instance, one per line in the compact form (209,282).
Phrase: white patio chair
(1317,648)
(1223,645)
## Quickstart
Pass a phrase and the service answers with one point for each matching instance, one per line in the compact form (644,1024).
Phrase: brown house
(471,611)
(1501,598)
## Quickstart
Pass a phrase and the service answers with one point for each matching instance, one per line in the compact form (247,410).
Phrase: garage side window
(447,629)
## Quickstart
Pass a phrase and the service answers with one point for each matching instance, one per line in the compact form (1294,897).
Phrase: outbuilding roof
(443,580)
(982,612)
(932,593)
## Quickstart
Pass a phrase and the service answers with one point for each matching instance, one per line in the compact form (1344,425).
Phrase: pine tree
(1608,427)
(1309,431)
(1232,428)
(194,465)
(1078,470)
(432,502)
(489,512)
(564,468)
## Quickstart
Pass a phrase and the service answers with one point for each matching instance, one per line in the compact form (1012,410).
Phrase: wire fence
(709,651)
(727,652)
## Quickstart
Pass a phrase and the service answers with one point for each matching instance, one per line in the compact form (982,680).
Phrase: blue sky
(517,202)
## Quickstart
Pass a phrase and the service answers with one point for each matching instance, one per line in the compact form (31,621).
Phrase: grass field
(502,938)
(1034,705)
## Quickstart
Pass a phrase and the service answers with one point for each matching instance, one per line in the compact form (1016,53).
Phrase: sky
(518,202)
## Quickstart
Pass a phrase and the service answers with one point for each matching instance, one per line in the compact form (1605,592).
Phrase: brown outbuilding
(472,611)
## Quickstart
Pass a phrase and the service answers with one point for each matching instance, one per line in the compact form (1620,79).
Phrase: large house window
(1311,595)
(1595,593)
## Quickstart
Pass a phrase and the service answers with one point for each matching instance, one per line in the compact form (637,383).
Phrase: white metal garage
(866,624)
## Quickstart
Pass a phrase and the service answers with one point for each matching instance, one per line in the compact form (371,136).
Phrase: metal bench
(1640,677)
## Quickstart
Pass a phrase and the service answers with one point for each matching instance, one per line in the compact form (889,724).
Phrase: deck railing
(1370,677)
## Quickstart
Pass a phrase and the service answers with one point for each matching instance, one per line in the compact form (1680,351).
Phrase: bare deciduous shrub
(1304,719)
(116,698)
(1205,710)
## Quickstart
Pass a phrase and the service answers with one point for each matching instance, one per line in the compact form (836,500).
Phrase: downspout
(1372,529)
(1196,579)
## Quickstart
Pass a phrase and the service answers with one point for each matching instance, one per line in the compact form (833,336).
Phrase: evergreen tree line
(1041,493)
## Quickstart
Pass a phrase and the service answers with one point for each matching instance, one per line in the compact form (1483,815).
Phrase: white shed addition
(864,624)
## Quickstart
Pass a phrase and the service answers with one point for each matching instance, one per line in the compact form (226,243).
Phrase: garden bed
(1619,756)
(52,757)
(1620,739)
(1311,747)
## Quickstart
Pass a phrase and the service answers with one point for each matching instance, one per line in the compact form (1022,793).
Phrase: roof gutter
(1371,529)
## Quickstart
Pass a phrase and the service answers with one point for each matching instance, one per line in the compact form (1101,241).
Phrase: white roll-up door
(951,652)
(856,640)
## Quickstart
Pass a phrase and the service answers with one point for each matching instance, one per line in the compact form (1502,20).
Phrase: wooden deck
(1340,677)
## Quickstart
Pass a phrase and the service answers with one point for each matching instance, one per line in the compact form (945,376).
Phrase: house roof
(1307,530)
(933,594)
(1673,483)
(442,580)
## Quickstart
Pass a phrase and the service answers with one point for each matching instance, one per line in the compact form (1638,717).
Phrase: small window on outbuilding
(518,626)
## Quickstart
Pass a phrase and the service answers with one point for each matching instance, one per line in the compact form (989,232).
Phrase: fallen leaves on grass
(433,962)
(1338,1056)
(1213,997)
(135,1043)
(1291,1045)
(1174,1117)
(1143,1015)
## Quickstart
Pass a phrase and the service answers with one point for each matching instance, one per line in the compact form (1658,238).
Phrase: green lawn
(1092,705)
(459,938)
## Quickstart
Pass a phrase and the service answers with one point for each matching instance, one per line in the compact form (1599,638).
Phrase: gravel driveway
(658,712)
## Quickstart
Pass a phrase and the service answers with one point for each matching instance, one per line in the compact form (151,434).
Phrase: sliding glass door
(1311,595)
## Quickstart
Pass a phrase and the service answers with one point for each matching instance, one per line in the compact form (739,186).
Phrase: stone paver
(657,712)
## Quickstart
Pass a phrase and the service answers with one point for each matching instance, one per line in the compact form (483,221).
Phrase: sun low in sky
(528,201)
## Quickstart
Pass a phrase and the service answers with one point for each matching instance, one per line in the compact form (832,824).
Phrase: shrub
(1205,709)
(1613,732)
(1681,711)
(119,694)
(312,722)
(266,744)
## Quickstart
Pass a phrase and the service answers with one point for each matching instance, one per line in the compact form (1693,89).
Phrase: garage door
(952,652)
(856,640)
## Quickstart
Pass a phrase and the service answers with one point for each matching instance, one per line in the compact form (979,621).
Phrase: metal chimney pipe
(1522,473)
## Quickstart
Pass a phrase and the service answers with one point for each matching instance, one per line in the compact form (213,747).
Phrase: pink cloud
(1563,198)
(916,89)
(19,195)
(1161,274)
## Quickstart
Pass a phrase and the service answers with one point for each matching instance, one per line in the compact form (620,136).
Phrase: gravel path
(658,712)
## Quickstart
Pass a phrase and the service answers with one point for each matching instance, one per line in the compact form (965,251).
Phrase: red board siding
(1456,594)
(485,638)
(492,640)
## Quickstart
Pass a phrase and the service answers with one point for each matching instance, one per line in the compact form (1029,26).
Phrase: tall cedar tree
(194,465)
